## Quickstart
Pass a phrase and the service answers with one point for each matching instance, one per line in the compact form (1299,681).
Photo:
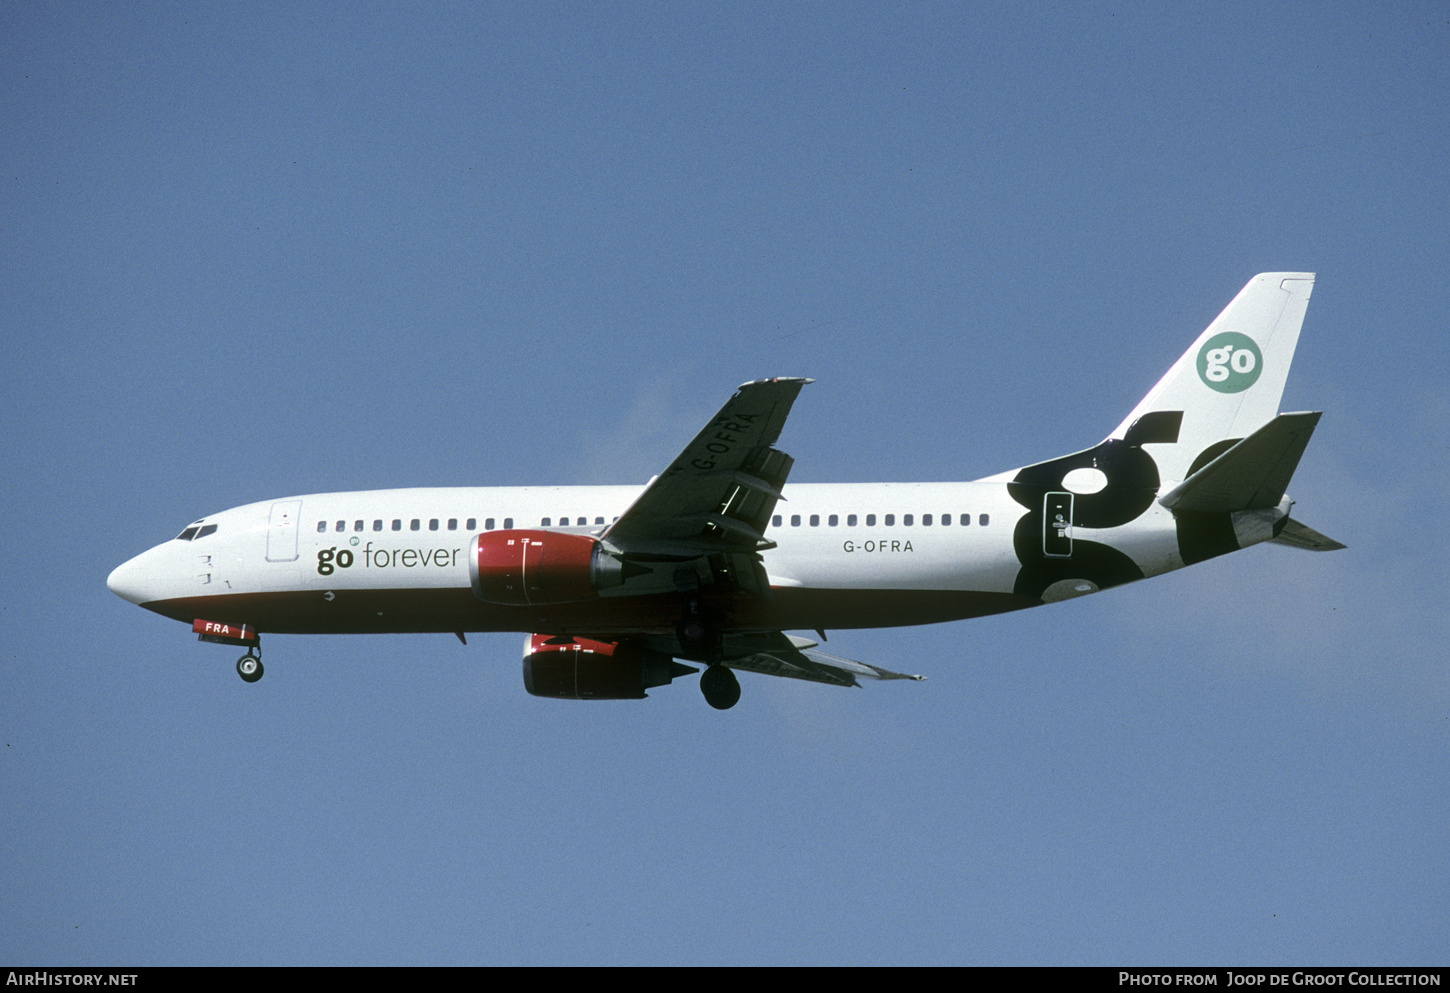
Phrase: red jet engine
(582,669)
(525,568)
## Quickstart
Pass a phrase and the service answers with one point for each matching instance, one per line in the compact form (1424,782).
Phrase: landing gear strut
(249,666)
(721,688)
(699,641)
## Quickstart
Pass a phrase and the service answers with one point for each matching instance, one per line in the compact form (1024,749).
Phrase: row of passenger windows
(471,524)
(888,520)
(416,524)
(437,524)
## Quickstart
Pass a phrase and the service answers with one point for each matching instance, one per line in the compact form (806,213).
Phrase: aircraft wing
(778,654)
(718,494)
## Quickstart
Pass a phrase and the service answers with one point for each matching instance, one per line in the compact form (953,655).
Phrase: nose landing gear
(249,666)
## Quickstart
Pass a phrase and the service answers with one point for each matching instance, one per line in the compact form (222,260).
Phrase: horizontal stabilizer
(1297,535)
(1252,475)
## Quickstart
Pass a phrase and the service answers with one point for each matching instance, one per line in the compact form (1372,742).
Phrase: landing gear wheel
(721,688)
(249,667)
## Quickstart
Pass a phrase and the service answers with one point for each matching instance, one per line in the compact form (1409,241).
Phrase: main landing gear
(721,688)
(699,641)
(249,666)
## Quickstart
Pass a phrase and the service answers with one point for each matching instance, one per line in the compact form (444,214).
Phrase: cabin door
(282,531)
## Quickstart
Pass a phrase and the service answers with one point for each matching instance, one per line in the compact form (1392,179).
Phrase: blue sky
(258,250)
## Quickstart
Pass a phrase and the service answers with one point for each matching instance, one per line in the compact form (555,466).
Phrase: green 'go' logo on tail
(1230,362)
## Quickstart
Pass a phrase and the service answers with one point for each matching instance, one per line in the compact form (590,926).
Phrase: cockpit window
(197,530)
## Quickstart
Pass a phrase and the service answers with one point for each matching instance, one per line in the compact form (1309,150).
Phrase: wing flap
(776,654)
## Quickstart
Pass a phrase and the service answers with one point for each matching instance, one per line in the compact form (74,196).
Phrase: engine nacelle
(523,568)
(582,669)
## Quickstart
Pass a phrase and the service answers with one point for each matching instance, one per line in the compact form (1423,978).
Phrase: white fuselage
(846,555)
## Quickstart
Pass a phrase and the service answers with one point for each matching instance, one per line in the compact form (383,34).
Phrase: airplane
(715,559)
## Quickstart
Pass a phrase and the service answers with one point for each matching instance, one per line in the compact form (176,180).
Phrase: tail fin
(1228,384)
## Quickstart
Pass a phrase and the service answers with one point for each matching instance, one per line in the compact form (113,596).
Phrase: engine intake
(583,669)
(524,568)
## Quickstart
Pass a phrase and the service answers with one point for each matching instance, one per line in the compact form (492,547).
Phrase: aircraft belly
(448,610)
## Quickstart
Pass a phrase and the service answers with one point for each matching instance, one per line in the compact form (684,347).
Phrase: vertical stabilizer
(1228,384)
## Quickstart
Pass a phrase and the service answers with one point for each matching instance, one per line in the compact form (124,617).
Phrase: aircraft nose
(129,580)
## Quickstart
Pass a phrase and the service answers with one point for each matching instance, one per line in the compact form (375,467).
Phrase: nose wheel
(249,667)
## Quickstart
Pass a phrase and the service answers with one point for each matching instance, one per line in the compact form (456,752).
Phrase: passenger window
(433,524)
(850,520)
(982,519)
(415,525)
(966,519)
(890,519)
(545,522)
(378,524)
(833,520)
(453,524)
(321,527)
(472,523)
(397,524)
(598,520)
(341,526)
(815,520)
(775,521)
(946,519)
(508,523)
(906,521)
(926,520)
(795,520)
(870,520)
(488,524)
(357,525)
